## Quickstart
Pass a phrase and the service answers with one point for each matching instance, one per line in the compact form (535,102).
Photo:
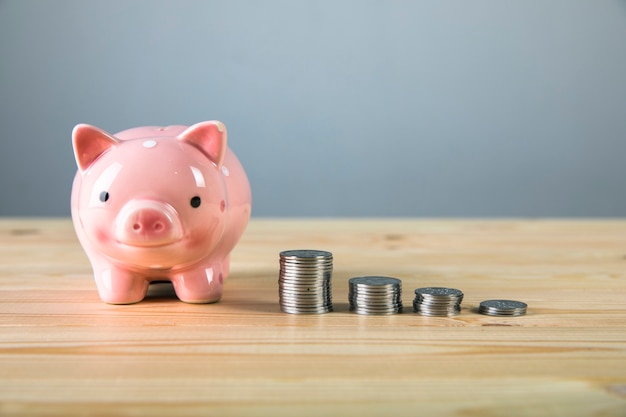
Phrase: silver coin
(379,286)
(419,307)
(437,308)
(305,306)
(306,261)
(304,291)
(438,299)
(387,306)
(372,308)
(320,275)
(366,299)
(377,307)
(310,271)
(387,294)
(500,314)
(435,305)
(306,265)
(374,281)
(365,312)
(376,312)
(308,299)
(311,301)
(303,294)
(381,293)
(295,292)
(375,293)
(305,300)
(374,290)
(291,310)
(320,282)
(306,268)
(304,297)
(439,292)
(306,254)
(303,288)
(433,299)
(304,279)
(316,301)
(504,304)
(437,314)
(309,256)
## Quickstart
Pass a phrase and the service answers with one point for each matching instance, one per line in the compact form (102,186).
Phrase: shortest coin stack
(374,295)
(304,281)
(437,301)
(502,308)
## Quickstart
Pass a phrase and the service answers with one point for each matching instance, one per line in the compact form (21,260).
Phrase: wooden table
(64,352)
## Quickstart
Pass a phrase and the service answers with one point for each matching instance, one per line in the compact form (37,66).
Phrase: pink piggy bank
(158,203)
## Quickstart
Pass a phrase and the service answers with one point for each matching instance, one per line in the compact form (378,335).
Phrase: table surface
(64,352)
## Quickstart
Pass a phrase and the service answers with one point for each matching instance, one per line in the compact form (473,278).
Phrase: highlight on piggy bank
(158,204)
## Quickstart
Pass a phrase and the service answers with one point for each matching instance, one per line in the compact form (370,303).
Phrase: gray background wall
(335,108)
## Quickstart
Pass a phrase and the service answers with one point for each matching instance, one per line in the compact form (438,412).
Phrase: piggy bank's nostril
(156,226)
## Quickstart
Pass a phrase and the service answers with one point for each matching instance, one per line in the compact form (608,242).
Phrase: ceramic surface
(158,203)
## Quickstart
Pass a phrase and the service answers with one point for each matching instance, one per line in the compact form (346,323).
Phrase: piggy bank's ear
(89,143)
(209,137)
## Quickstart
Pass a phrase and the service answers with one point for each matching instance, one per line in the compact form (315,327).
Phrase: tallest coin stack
(304,282)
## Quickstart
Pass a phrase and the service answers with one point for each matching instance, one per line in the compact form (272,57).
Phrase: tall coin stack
(304,282)
(375,295)
(437,301)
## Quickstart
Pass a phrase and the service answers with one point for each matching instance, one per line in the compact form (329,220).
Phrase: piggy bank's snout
(148,223)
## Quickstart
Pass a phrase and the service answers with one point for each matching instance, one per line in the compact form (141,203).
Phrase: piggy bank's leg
(118,286)
(200,285)
(226,266)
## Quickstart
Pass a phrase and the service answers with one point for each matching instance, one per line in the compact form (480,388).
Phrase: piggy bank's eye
(104,196)
(195,202)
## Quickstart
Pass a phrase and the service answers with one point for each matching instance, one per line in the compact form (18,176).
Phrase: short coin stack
(502,308)
(437,301)
(373,295)
(304,282)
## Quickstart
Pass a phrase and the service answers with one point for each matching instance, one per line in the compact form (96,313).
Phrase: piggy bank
(158,204)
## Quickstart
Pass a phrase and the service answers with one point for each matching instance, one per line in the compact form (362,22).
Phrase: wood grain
(63,352)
